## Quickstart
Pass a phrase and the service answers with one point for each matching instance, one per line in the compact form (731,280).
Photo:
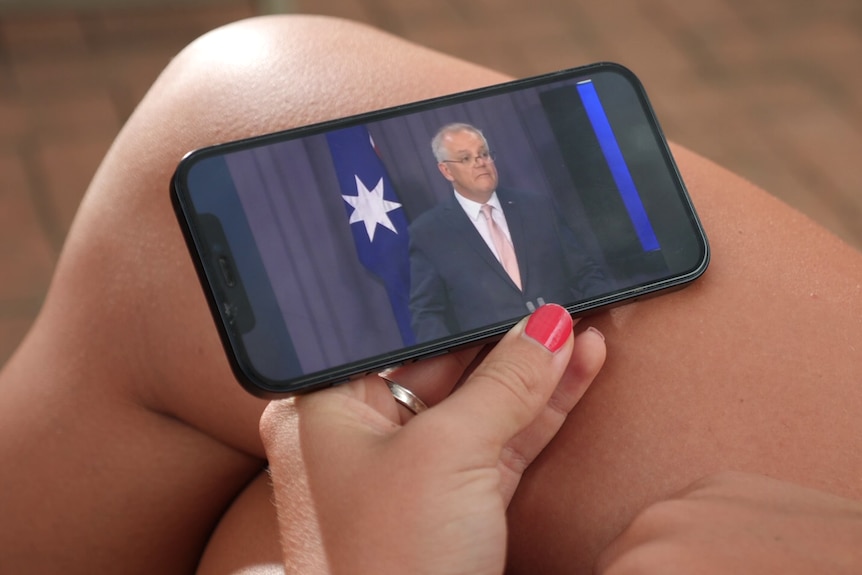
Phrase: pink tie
(503,246)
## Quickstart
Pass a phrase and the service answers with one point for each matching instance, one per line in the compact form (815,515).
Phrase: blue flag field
(375,216)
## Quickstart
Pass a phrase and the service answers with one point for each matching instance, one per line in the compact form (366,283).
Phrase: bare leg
(123,434)
(130,437)
(755,368)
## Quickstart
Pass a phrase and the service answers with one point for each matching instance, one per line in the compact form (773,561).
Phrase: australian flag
(376,217)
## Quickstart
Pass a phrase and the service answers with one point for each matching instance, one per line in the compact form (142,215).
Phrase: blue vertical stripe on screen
(617,164)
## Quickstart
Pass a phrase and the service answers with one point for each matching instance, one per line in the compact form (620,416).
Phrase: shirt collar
(473,209)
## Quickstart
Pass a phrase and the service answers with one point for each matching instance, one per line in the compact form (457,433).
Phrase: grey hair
(437,140)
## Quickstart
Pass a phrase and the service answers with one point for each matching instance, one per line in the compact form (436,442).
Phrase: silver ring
(405,397)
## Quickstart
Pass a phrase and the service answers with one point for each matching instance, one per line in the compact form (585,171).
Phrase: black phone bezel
(261,386)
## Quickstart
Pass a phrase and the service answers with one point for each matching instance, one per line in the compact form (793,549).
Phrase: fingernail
(597,332)
(550,325)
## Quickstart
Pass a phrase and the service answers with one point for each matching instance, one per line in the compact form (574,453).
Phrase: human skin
(475,182)
(425,494)
(135,449)
(753,368)
(735,522)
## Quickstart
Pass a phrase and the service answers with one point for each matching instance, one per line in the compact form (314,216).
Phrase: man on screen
(489,254)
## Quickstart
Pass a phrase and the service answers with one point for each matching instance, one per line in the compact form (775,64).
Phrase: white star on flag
(370,208)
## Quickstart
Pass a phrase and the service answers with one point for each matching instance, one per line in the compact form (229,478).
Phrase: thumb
(512,386)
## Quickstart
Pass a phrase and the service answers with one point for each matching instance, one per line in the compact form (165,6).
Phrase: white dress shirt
(474,213)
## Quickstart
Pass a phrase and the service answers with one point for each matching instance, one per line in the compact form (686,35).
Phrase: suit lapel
(458,223)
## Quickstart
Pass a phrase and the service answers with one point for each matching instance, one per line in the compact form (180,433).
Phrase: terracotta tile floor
(769,89)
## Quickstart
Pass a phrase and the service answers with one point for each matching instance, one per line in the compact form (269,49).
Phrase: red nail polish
(550,325)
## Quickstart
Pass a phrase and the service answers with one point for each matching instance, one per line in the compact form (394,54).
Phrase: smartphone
(339,249)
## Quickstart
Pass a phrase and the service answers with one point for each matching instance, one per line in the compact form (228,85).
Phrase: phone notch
(234,304)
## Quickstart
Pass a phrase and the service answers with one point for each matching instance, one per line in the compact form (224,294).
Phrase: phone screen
(342,248)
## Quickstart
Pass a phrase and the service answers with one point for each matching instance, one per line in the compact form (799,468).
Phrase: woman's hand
(362,486)
(741,523)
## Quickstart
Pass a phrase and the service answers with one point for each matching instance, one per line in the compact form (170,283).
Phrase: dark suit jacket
(457,284)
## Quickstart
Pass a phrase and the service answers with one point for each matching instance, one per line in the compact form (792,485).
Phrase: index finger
(433,379)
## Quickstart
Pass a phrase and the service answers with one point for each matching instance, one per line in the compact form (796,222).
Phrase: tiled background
(772,90)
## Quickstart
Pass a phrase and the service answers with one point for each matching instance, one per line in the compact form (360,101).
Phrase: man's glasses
(467,161)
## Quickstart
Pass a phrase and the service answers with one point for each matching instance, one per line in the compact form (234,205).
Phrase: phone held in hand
(339,249)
